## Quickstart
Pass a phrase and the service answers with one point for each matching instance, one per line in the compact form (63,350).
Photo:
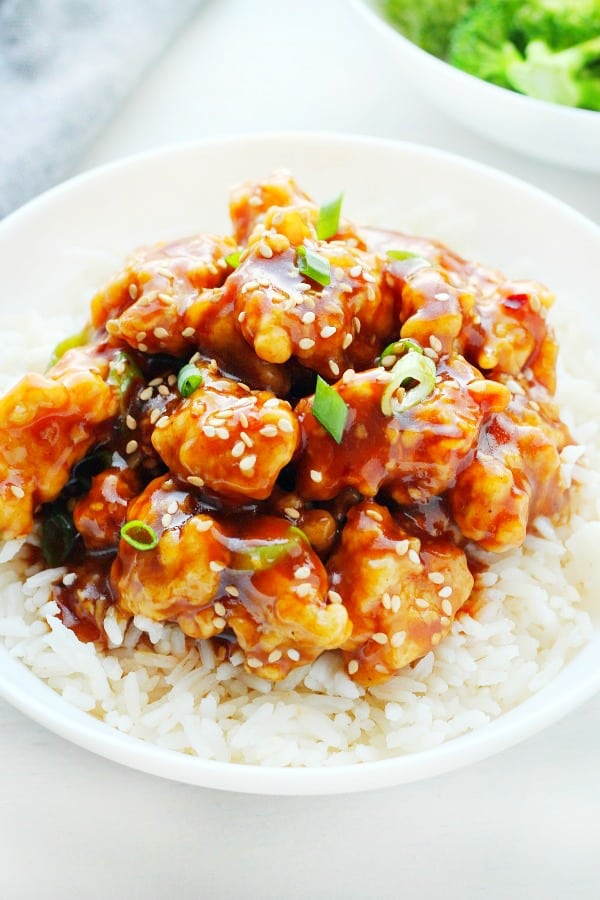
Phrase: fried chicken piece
(228,438)
(515,475)
(251,201)
(47,424)
(283,617)
(99,515)
(413,455)
(327,328)
(401,593)
(180,578)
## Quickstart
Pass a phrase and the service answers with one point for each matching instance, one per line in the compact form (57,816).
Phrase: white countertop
(523,824)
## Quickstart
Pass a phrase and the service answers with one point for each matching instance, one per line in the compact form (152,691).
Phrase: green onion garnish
(415,260)
(412,367)
(314,266)
(328,222)
(233,259)
(189,380)
(399,348)
(75,340)
(330,409)
(122,373)
(58,535)
(256,557)
(140,528)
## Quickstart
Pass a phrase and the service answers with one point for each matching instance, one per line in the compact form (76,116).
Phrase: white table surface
(523,824)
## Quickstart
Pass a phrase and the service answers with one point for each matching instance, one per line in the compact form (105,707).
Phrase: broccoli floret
(549,49)
(427,22)
(559,77)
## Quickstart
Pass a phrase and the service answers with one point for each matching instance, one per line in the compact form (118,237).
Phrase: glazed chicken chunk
(413,455)
(228,438)
(401,593)
(47,424)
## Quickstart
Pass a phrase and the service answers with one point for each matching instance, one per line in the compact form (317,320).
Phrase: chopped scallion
(141,529)
(233,259)
(122,373)
(328,222)
(413,367)
(256,557)
(399,348)
(189,380)
(75,340)
(314,266)
(414,261)
(330,409)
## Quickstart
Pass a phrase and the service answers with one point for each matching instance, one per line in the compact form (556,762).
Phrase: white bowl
(48,246)
(548,131)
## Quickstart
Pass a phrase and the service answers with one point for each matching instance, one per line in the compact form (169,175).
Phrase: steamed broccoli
(549,49)
(425,22)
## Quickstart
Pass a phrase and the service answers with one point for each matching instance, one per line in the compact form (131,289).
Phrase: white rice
(177,695)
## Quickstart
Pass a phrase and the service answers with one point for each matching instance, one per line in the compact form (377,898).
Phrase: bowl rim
(368,8)
(83,730)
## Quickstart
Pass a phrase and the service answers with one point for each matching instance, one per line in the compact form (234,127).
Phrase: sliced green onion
(314,266)
(58,535)
(122,373)
(140,528)
(328,222)
(415,260)
(189,380)
(330,409)
(399,348)
(409,368)
(75,340)
(260,556)
(233,259)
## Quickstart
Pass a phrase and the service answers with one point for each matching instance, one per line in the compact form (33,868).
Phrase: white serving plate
(71,236)
(548,131)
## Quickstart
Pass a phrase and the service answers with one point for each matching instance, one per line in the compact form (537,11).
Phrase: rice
(174,692)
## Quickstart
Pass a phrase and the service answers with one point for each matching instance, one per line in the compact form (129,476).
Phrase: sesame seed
(334,597)
(441,296)
(386,601)
(293,655)
(338,273)
(238,449)
(131,423)
(172,507)
(166,520)
(163,390)
(352,667)
(396,603)
(215,566)
(302,572)
(232,590)
(17,491)
(146,393)
(285,426)
(447,607)
(220,609)
(445,591)
(154,415)
(401,547)
(161,333)
(194,358)
(421,603)
(196,480)
(444,620)
(271,402)
(143,348)
(316,476)
(398,638)
(209,430)
(308,318)
(241,316)
(69,579)
(356,323)
(414,557)
(133,291)
(435,343)
(162,422)
(188,332)
(131,447)
(335,369)
(246,439)
(430,352)
(166,273)
(380,637)
(436,577)
(328,331)
(222,433)
(254,663)
(268,431)
(247,463)
(368,277)
(436,638)
(291,512)
(304,589)
(274,656)
(203,524)
(347,340)
(374,514)
(265,250)
(306,343)
(355,271)
(243,419)
(348,375)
